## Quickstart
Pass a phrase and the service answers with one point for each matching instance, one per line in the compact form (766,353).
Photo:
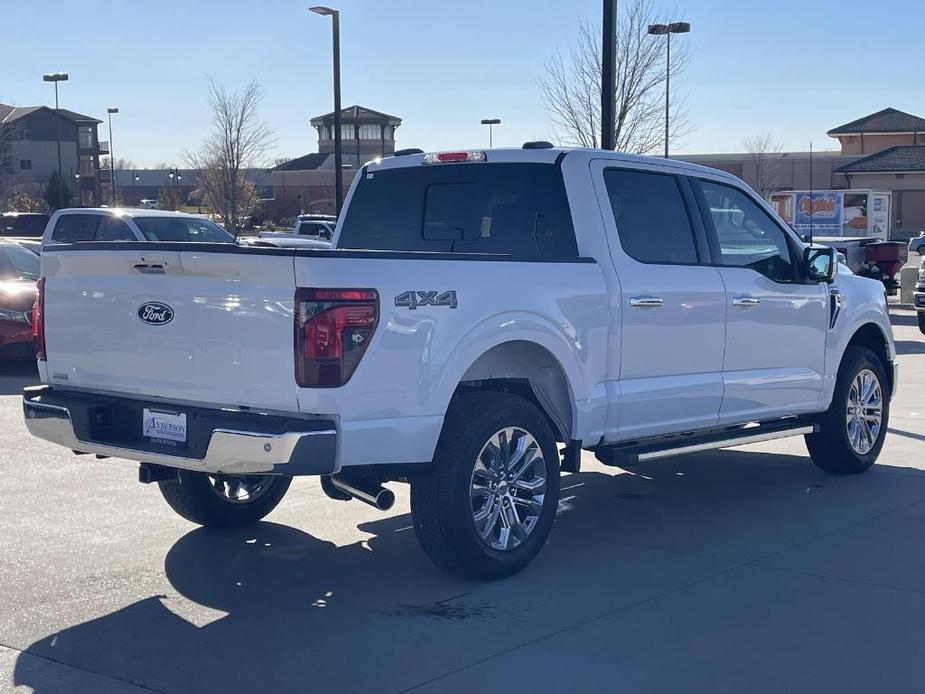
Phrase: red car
(19,269)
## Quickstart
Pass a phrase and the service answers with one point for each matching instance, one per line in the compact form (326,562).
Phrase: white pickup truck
(483,317)
(318,227)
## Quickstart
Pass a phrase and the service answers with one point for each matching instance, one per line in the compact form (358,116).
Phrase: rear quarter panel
(392,408)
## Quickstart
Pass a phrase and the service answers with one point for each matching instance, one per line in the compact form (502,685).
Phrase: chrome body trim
(230,451)
(725,443)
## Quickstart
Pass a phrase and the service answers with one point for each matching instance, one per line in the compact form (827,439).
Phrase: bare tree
(10,178)
(121,164)
(571,84)
(764,151)
(240,140)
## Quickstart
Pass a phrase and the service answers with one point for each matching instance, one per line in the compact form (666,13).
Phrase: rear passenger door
(777,321)
(670,356)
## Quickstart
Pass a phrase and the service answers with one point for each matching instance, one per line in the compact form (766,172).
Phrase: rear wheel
(852,430)
(223,501)
(487,506)
(921,316)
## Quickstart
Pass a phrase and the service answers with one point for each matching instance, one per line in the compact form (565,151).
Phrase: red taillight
(38,319)
(332,329)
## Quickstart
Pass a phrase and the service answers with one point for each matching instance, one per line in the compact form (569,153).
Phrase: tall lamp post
(668,30)
(112,157)
(57,77)
(491,122)
(175,177)
(338,150)
(609,74)
(80,200)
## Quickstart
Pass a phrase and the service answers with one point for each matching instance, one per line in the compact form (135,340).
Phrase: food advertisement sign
(820,211)
(854,214)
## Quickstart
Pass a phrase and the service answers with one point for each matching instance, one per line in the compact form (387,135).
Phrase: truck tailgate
(206,326)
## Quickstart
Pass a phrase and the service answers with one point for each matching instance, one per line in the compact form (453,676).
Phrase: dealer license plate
(161,426)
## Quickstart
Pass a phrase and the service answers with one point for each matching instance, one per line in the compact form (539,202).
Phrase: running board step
(626,455)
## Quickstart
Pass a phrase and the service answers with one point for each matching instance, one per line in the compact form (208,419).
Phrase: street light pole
(112,157)
(338,148)
(80,200)
(57,77)
(668,30)
(608,75)
(175,177)
(491,122)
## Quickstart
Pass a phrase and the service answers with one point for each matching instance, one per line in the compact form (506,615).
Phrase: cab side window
(744,234)
(71,228)
(652,219)
(113,229)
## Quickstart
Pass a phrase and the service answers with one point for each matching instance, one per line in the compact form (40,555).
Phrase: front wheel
(488,504)
(852,430)
(921,316)
(223,501)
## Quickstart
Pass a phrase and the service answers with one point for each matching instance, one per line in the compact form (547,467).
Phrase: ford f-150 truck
(483,317)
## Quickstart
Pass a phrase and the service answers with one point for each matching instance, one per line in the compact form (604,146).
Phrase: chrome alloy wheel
(239,489)
(507,488)
(864,415)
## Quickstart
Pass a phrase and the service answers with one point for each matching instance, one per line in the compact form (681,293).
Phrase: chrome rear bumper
(310,449)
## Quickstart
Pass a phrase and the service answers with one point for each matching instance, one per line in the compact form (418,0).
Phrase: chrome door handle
(645,301)
(746,301)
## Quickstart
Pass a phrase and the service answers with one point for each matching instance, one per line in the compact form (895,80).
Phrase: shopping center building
(884,151)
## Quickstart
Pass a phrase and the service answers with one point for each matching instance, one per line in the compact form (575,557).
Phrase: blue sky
(791,68)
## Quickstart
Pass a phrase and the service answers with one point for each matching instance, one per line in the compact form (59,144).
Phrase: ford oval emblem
(155,313)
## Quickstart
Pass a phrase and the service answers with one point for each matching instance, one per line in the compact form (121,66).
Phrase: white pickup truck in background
(317,227)
(482,318)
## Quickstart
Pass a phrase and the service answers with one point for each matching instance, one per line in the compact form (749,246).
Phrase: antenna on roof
(812,207)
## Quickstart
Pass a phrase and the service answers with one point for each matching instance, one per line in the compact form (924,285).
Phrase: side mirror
(820,263)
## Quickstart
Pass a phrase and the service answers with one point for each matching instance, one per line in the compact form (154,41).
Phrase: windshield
(18,264)
(182,229)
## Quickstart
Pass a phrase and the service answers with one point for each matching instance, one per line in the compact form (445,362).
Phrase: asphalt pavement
(745,570)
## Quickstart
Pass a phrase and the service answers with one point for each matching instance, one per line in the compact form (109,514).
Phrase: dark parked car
(19,269)
(28,224)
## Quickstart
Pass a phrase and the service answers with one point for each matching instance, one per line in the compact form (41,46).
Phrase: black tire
(194,496)
(441,507)
(921,317)
(831,447)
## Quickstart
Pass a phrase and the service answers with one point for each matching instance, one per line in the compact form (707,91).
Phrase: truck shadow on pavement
(16,375)
(271,608)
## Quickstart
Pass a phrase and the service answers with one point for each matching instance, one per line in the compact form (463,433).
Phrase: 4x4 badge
(415,299)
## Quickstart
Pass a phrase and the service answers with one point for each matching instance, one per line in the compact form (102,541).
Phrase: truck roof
(129,212)
(551,155)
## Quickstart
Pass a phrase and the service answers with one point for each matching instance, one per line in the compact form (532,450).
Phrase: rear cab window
(504,208)
(23,224)
(316,229)
(72,228)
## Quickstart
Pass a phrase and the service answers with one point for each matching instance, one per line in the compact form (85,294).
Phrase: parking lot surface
(745,570)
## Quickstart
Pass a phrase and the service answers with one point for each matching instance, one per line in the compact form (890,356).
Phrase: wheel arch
(871,336)
(528,369)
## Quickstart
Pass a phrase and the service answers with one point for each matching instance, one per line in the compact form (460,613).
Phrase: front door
(776,322)
(669,359)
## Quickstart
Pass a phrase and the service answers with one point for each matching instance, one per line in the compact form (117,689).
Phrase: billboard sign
(821,212)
